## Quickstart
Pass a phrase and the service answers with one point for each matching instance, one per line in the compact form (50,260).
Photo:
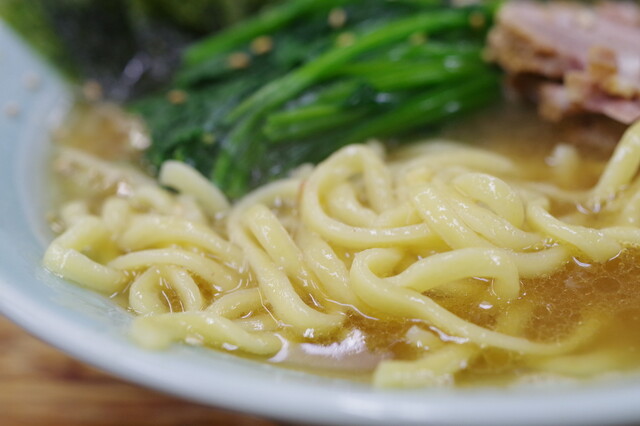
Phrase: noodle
(360,236)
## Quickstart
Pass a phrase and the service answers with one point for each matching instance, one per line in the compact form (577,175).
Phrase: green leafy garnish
(309,76)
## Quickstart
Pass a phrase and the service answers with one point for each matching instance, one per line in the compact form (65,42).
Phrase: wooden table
(40,385)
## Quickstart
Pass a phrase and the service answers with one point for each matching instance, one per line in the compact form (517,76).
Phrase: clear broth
(561,301)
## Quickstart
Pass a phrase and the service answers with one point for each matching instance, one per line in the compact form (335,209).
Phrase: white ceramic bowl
(94,330)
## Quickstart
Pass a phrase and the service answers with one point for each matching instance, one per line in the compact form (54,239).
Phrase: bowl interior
(88,326)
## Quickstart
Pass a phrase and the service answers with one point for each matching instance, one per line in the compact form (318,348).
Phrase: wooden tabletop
(40,385)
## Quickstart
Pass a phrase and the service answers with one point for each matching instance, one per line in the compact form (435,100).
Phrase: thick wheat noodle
(357,234)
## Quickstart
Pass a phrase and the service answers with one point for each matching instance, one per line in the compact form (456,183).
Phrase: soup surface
(581,315)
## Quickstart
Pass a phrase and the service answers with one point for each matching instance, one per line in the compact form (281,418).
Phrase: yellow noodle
(188,208)
(71,213)
(622,167)
(401,302)
(494,193)
(435,207)
(341,166)
(219,277)
(64,257)
(237,303)
(143,297)
(154,198)
(356,236)
(280,294)
(591,242)
(146,231)
(183,178)
(144,294)
(327,266)
(158,331)
(258,322)
(422,338)
(343,204)
(434,369)
(116,214)
(444,268)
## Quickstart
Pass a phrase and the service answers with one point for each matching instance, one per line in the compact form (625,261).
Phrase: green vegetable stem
(309,76)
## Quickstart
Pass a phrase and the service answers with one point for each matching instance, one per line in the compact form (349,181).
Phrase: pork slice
(593,51)
(622,110)
(625,12)
(516,54)
(569,29)
(557,101)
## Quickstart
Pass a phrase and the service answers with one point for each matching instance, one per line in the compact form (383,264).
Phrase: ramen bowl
(95,330)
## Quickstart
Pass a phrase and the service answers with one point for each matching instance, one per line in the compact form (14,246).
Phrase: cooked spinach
(309,76)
